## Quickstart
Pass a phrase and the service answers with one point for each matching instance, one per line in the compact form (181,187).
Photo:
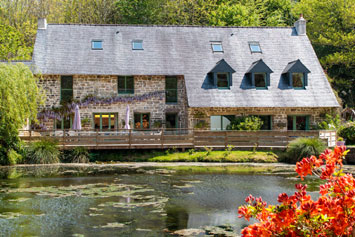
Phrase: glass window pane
(300,122)
(222,80)
(297,80)
(260,80)
(266,119)
(66,82)
(66,95)
(125,84)
(137,44)
(171,120)
(137,121)
(255,47)
(226,120)
(145,121)
(217,47)
(96,44)
(97,121)
(290,123)
(171,83)
(171,96)
(130,84)
(141,121)
(216,122)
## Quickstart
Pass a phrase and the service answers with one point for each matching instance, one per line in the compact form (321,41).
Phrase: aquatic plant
(333,214)
(45,151)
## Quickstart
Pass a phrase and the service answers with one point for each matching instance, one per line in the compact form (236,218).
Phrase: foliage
(201,124)
(249,123)
(43,152)
(333,214)
(14,157)
(228,151)
(348,133)
(76,155)
(20,97)
(330,122)
(12,44)
(331,29)
(304,147)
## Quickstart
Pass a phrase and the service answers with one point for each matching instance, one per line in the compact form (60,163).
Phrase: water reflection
(127,203)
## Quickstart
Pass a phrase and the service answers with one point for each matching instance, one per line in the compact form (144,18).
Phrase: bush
(250,123)
(330,122)
(77,155)
(13,157)
(331,214)
(348,133)
(43,152)
(304,147)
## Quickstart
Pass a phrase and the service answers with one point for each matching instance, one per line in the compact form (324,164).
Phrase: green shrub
(348,133)
(14,157)
(304,147)
(43,152)
(250,123)
(330,122)
(76,155)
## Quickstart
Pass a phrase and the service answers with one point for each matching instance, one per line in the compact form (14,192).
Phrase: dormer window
(223,81)
(137,45)
(296,75)
(221,75)
(254,47)
(217,47)
(259,75)
(260,80)
(96,45)
(298,80)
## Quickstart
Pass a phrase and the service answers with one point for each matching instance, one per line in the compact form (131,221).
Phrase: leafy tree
(250,123)
(331,29)
(12,44)
(20,97)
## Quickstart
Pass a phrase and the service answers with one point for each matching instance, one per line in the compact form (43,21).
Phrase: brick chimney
(42,23)
(300,26)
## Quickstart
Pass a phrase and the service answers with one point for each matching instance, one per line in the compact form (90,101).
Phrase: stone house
(182,76)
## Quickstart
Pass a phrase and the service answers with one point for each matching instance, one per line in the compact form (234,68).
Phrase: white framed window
(254,47)
(217,47)
(137,44)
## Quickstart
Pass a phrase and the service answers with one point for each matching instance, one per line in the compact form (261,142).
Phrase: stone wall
(106,86)
(279,115)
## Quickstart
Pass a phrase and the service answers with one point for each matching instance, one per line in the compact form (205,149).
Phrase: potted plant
(340,142)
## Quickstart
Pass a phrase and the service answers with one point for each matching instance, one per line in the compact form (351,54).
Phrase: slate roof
(186,50)
(296,66)
(222,66)
(259,66)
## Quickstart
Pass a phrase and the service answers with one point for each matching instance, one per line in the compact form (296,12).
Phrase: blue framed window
(260,80)
(223,81)
(137,45)
(66,89)
(221,122)
(171,90)
(217,47)
(125,85)
(255,47)
(298,122)
(298,80)
(96,45)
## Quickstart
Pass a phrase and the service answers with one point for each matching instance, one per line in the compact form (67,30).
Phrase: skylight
(137,45)
(96,44)
(255,47)
(217,47)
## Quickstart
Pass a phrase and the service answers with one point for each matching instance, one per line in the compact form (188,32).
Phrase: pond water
(124,202)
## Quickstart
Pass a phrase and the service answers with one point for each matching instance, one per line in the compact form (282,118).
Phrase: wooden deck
(163,139)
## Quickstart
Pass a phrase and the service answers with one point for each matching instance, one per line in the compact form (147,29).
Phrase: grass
(240,169)
(189,156)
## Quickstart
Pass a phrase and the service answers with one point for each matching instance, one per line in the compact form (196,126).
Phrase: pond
(72,201)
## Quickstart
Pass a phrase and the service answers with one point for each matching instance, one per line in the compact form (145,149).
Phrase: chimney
(42,23)
(300,26)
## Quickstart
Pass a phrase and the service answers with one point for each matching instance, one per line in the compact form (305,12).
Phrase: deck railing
(168,138)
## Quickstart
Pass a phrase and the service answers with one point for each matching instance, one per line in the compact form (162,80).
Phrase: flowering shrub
(333,214)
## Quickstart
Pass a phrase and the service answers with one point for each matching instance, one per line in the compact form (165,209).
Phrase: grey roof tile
(173,50)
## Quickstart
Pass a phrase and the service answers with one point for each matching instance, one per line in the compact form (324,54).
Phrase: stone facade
(106,87)
(278,115)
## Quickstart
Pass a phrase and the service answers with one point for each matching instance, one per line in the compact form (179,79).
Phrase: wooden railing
(166,138)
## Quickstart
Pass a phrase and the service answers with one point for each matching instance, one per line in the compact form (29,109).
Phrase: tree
(12,44)
(331,27)
(20,98)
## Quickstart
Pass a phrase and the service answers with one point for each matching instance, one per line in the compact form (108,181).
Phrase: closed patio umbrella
(77,121)
(126,126)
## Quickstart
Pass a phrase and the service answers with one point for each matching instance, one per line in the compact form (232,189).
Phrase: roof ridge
(153,25)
